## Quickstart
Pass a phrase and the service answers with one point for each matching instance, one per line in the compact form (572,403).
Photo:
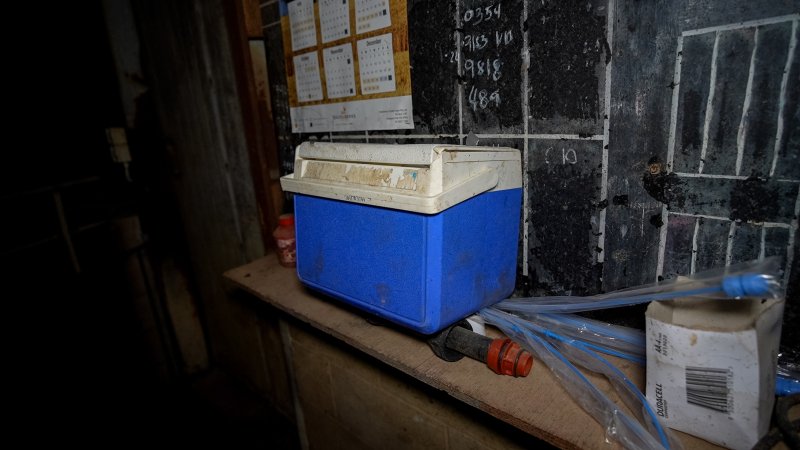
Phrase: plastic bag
(560,354)
(619,341)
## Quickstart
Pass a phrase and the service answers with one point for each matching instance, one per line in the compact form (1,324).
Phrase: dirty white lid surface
(424,178)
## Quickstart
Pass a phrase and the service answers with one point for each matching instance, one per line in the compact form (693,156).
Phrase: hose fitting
(506,357)
(503,356)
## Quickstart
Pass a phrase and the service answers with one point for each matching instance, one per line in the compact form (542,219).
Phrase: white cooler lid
(423,178)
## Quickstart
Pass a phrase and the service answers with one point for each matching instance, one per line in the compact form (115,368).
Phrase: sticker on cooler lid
(695,374)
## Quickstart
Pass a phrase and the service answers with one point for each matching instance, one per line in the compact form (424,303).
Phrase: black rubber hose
(469,343)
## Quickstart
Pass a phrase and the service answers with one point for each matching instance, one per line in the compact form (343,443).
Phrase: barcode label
(709,388)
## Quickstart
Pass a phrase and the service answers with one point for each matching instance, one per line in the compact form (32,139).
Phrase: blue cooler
(421,235)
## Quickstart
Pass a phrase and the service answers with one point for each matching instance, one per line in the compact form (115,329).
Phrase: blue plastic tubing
(736,286)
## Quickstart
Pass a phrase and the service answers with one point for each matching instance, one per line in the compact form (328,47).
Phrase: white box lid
(423,178)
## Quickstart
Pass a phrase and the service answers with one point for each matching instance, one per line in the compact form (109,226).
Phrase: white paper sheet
(376,64)
(334,19)
(372,15)
(340,78)
(301,22)
(309,86)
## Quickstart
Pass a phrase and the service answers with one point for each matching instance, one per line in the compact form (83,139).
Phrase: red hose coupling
(506,357)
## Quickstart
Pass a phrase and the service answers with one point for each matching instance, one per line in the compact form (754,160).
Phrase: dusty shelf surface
(536,404)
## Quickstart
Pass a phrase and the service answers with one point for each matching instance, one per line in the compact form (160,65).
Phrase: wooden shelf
(537,404)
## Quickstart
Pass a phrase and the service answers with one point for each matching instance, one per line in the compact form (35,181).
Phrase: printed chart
(347,64)
(334,19)
(306,67)
(301,15)
(339,72)
(372,15)
(376,64)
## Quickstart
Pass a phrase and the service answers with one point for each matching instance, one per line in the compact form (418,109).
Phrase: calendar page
(372,15)
(308,84)
(376,64)
(339,73)
(334,19)
(347,64)
(301,17)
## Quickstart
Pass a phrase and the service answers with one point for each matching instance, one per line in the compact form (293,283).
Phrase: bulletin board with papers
(347,64)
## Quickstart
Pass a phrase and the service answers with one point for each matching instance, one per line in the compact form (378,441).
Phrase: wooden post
(244,27)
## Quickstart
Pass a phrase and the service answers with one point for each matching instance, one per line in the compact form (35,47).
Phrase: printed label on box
(705,383)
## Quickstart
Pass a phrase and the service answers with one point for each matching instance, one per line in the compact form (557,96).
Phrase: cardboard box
(711,366)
